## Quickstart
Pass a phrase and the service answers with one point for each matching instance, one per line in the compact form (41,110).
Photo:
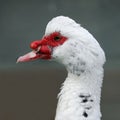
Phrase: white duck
(73,46)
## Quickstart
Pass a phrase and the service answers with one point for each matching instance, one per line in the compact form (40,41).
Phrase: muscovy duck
(72,45)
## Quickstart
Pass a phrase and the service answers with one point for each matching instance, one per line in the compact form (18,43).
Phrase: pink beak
(28,57)
(40,51)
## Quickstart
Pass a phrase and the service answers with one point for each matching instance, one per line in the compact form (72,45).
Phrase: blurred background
(28,91)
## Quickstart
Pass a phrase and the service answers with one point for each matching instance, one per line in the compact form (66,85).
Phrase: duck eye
(57,38)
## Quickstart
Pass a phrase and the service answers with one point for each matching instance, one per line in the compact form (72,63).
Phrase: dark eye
(57,38)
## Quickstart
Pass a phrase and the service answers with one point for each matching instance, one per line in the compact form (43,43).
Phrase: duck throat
(79,98)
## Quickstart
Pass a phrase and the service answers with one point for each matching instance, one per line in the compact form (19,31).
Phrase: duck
(70,44)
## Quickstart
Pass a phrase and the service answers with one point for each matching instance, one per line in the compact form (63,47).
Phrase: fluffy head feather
(61,24)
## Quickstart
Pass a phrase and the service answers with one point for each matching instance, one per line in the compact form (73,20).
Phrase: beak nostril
(38,50)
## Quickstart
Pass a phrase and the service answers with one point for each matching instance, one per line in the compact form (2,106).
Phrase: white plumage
(83,58)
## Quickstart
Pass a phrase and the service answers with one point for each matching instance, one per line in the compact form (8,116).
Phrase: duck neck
(79,98)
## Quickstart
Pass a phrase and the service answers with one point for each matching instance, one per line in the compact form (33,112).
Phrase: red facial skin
(43,48)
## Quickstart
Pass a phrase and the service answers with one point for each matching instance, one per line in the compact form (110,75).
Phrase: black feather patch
(85,114)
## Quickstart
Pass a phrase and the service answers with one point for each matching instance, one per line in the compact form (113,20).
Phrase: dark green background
(28,91)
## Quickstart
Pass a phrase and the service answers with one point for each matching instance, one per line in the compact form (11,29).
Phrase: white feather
(84,60)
